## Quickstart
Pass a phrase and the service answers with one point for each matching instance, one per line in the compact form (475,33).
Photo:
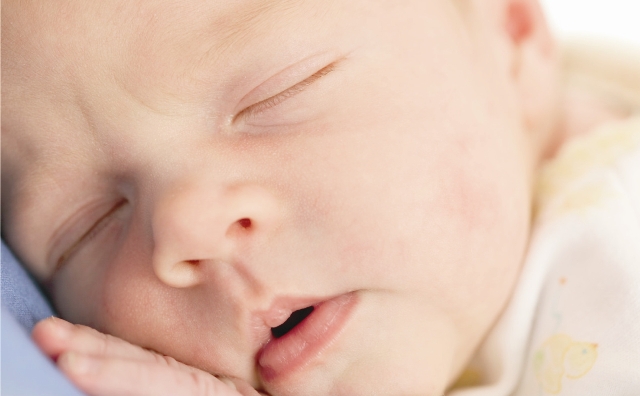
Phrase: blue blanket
(25,370)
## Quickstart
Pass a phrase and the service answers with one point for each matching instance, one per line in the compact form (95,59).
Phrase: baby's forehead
(147,19)
(146,47)
(137,31)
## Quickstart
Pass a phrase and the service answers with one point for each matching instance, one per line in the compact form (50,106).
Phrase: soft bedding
(25,370)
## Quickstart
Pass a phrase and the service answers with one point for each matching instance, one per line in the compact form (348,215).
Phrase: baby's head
(183,175)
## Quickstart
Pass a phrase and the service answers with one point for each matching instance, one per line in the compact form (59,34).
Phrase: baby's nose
(197,226)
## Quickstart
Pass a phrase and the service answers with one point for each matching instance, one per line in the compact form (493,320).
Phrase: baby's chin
(354,381)
(358,366)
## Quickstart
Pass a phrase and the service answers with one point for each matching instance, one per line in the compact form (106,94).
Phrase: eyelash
(284,95)
(91,233)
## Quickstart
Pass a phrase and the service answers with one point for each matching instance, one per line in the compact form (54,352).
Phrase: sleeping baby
(319,197)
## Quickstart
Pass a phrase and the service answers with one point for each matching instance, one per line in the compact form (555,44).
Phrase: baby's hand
(101,364)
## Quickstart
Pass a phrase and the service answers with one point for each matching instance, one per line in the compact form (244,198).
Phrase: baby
(308,197)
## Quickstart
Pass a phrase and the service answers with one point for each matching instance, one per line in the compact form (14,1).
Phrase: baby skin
(183,176)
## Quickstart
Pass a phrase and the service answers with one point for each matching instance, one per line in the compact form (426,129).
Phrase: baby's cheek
(77,291)
(469,202)
(126,300)
(485,198)
(483,221)
(136,306)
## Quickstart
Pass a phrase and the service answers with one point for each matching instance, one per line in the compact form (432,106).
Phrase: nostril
(240,228)
(245,223)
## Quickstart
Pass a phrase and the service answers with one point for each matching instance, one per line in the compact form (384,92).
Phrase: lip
(282,356)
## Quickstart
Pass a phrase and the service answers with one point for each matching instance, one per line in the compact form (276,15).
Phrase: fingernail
(229,383)
(79,364)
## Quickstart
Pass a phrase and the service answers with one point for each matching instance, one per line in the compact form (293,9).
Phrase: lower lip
(284,355)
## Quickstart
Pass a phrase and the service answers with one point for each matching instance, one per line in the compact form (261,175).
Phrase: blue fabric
(20,294)
(25,370)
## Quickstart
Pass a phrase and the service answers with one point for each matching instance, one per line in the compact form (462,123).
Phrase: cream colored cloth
(572,326)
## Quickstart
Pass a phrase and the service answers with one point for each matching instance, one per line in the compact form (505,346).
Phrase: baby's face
(186,175)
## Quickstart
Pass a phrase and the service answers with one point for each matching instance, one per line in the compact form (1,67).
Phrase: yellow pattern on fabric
(560,356)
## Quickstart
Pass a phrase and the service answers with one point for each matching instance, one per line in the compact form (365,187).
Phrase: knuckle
(89,382)
(167,361)
(163,359)
(104,344)
(202,385)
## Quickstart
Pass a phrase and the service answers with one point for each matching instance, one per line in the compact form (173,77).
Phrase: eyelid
(284,95)
(86,235)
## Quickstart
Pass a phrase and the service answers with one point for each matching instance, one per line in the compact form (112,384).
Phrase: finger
(243,387)
(122,377)
(55,336)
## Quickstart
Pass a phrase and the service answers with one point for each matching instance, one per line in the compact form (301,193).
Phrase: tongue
(295,318)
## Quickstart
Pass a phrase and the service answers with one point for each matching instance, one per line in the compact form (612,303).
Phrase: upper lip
(282,307)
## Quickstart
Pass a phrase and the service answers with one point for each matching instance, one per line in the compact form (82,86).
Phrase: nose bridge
(199,222)
(187,219)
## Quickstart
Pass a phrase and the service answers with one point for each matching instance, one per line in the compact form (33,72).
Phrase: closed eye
(284,95)
(91,233)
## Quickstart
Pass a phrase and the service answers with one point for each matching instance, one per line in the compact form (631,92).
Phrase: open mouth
(294,319)
(303,336)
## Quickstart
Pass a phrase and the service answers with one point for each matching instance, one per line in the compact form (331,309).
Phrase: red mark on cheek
(468,200)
